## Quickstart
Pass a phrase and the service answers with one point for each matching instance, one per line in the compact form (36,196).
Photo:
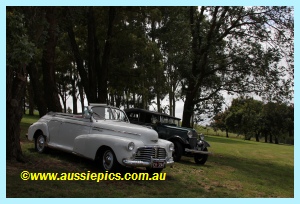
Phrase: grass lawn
(237,169)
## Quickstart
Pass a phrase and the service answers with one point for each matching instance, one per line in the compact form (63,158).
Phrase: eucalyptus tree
(19,51)
(136,58)
(174,45)
(43,30)
(35,23)
(244,116)
(219,122)
(48,59)
(128,75)
(154,20)
(92,51)
(253,118)
(250,123)
(66,73)
(240,50)
(278,121)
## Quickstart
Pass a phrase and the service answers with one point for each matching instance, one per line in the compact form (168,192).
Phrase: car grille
(193,142)
(145,153)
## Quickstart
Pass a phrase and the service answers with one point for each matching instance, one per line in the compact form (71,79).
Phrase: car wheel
(201,158)
(178,151)
(40,143)
(108,160)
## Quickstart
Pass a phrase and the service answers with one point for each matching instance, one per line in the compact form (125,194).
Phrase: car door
(70,128)
(53,128)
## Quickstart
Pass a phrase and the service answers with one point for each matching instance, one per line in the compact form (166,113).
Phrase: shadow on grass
(83,163)
(228,140)
(189,161)
(184,180)
(267,173)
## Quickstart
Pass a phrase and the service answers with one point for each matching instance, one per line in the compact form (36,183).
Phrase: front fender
(37,126)
(177,138)
(204,143)
(88,145)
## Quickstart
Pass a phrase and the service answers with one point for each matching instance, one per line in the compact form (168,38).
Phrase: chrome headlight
(171,147)
(131,146)
(190,134)
(201,136)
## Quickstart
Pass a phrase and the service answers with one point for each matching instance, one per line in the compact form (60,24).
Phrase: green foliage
(19,50)
(278,121)
(252,118)
(239,50)
(185,52)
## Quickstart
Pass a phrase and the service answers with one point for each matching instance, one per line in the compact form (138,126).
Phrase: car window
(102,113)
(133,116)
(154,119)
(119,115)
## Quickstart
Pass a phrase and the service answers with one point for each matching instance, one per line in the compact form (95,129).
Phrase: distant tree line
(138,56)
(272,122)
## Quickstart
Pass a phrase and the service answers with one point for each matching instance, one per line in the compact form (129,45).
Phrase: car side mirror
(87,116)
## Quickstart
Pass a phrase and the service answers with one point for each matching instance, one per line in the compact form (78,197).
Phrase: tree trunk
(81,95)
(15,92)
(102,94)
(75,111)
(64,99)
(276,140)
(127,94)
(112,100)
(171,103)
(48,63)
(30,99)
(118,100)
(93,57)
(84,81)
(158,102)
(257,137)
(37,89)
(188,110)
(133,100)
(174,105)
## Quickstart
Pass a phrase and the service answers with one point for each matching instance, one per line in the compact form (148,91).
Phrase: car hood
(179,128)
(182,129)
(119,128)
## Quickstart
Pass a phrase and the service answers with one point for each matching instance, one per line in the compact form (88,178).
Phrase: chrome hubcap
(40,143)
(107,160)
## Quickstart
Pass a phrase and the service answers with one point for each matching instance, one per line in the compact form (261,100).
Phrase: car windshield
(107,113)
(119,115)
(170,121)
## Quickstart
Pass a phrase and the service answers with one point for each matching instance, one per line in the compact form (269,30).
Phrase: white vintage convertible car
(102,133)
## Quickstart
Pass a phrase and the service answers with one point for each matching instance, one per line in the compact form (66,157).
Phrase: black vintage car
(186,140)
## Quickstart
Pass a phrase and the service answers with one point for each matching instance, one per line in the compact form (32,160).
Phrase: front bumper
(196,146)
(195,151)
(137,163)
